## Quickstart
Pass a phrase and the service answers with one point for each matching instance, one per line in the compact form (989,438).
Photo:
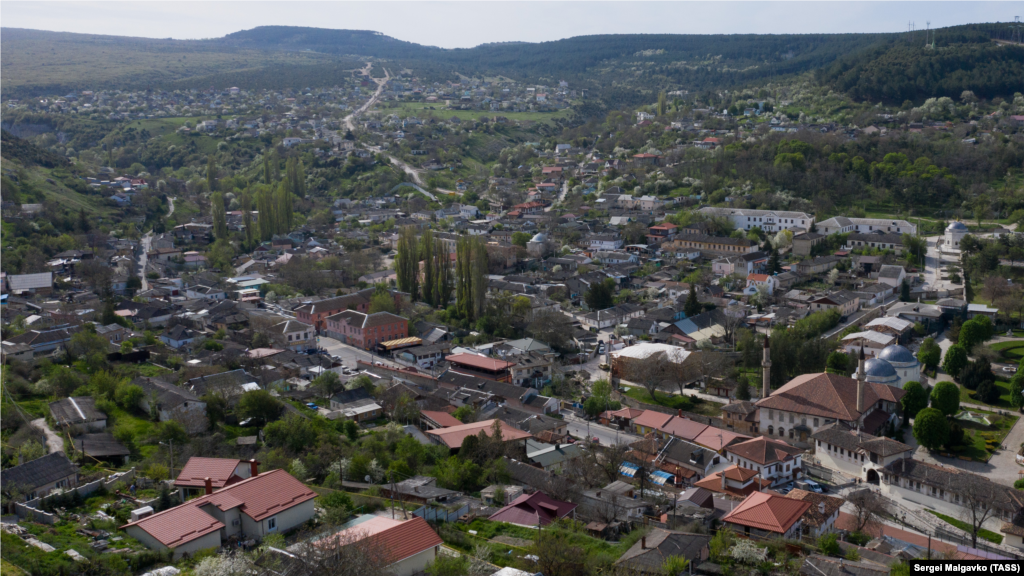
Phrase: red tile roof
(479,362)
(453,436)
(400,539)
(683,428)
(827,395)
(717,439)
(218,470)
(763,450)
(767,512)
(258,497)
(652,419)
(537,509)
(445,419)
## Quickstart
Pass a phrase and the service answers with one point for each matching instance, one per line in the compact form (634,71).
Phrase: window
(782,431)
(272,523)
(791,418)
(771,414)
(790,433)
(815,422)
(771,430)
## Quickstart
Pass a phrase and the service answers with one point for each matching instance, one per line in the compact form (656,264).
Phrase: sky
(466,24)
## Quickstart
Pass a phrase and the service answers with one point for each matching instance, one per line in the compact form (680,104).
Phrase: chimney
(598,493)
(723,480)
(821,508)
(680,412)
(643,542)
(253,470)
(766,364)
(209,485)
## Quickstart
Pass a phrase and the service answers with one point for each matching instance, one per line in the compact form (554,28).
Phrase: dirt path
(54,443)
(381,82)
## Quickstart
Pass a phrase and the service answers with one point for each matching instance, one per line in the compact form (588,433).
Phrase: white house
(200,292)
(756,281)
(857,455)
(891,275)
(178,336)
(843,225)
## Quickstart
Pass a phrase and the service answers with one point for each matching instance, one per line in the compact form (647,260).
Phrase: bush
(129,396)
(828,544)
(1019,484)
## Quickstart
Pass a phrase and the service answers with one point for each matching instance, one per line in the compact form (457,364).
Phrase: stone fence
(35,506)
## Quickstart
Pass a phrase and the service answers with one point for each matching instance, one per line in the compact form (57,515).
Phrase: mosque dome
(898,354)
(879,369)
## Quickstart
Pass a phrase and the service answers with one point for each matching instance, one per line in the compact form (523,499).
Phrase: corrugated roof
(767,512)
(178,525)
(444,419)
(537,509)
(480,362)
(399,539)
(197,469)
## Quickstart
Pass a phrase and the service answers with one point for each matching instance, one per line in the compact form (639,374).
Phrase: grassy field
(424,110)
(978,438)
(688,403)
(1010,350)
(968,396)
(983,533)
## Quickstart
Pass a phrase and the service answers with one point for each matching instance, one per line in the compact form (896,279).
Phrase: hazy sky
(466,24)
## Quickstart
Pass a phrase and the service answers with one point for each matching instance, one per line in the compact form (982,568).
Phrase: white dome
(539,237)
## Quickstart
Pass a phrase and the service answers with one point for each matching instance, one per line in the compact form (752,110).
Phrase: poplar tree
(283,209)
(266,169)
(443,291)
(407,263)
(463,274)
(428,257)
(265,207)
(211,180)
(250,234)
(220,224)
(480,263)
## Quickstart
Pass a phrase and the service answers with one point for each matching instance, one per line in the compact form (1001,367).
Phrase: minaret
(766,364)
(861,378)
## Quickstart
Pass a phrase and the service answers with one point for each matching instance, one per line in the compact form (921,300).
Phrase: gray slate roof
(75,410)
(660,545)
(38,472)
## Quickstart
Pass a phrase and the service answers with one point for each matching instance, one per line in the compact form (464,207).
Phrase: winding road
(381,82)
(145,244)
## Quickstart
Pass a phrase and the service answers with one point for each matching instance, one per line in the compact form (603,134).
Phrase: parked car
(810,486)
(311,405)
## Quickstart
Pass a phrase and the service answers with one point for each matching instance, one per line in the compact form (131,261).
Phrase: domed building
(955,232)
(907,367)
(535,247)
(881,372)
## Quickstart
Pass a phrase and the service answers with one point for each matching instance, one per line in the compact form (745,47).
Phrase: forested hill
(645,61)
(906,68)
(27,153)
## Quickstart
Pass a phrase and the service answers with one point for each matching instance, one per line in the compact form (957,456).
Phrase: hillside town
(460,360)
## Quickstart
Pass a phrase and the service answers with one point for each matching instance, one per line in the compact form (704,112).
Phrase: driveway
(54,443)
(349,354)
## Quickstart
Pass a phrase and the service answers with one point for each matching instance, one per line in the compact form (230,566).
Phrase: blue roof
(897,353)
(879,368)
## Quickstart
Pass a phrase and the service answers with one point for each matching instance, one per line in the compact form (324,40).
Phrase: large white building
(767,220)
(843,225)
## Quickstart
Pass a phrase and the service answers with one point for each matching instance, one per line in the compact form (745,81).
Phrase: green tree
(211,174)
(382,301)
(259,404)
(987,392)
(742,387)
(520,238)
(407,263)
(129,396)
(691,307)
(675,565)
(220,224)
(464,413)
(955,360)
(977,373)
(250,227)
(828,544)
(351,430)
(327,384)
(946,398)
(601,295)
(443,270)
(915,399)
(931,429)
(1017,390)
(430,264)
(904,291)
(774,265)
(171,431)
(929,354)
(838,363)
(662,103)
(973,333)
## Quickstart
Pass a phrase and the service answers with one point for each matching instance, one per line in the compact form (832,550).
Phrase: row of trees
(424,269)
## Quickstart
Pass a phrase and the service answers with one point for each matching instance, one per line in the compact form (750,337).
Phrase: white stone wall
(415,563)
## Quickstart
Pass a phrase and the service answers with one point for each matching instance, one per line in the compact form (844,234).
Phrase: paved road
(607,436)
(54,443)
